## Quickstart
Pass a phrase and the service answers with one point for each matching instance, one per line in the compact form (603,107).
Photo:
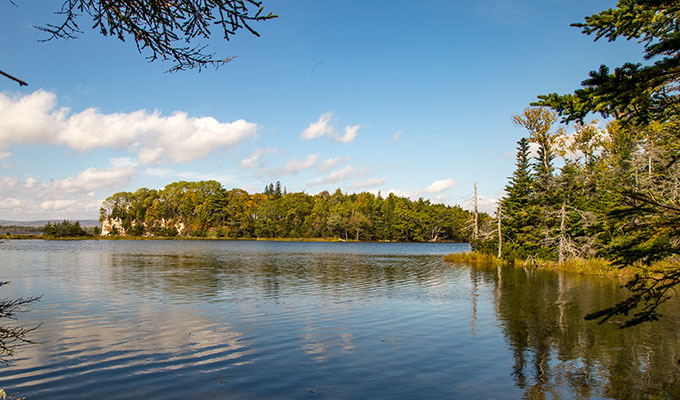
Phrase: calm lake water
(222,320)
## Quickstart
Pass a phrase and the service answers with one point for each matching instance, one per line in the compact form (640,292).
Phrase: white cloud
(323,127)
(368,183)
(251,160)
(36,118)
(331,163)
(161,172)
(72,197)
(411,194)
(9,183)
(10,202)
(190,175)
(439,186)
(207,176)
(5,154)
(292,167)
(59,205)
(350,134)
(94,179)
(484,204)
(319,128)
(337,176)
(30,183)
(397,134)
(432,192)
(123,162)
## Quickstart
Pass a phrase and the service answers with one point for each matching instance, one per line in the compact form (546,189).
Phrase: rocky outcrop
(112,224)
(115,225)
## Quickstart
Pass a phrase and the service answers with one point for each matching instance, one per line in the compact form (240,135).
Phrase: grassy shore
(593,266)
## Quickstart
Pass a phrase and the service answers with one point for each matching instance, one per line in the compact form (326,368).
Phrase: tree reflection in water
(542,317)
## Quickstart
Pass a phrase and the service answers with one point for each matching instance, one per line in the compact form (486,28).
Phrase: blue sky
(409,97)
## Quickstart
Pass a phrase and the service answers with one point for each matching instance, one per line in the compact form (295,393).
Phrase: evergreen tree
(519,210)
(277,192)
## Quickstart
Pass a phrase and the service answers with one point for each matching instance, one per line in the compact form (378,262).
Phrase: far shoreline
(209,238)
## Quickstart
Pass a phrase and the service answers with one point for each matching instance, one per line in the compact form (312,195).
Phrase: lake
(256,320)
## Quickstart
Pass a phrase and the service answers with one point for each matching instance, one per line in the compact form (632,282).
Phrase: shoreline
(211,238)
(595,266)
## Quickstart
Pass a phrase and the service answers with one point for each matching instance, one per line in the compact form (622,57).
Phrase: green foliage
(206,208)
(65,228)
(633,92)
(618,195)
(165,232)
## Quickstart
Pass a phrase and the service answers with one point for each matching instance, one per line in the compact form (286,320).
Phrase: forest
(206,208)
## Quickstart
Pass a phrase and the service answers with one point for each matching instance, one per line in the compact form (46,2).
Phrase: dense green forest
(609,189)
(206,208)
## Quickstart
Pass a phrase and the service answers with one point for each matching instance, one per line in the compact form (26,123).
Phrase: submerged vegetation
(206,209)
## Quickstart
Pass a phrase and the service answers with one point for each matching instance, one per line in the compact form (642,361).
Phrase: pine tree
(520,212)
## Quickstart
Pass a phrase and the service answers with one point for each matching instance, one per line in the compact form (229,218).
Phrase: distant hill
(84,223)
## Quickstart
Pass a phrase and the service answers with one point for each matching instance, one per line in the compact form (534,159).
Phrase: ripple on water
(169,319)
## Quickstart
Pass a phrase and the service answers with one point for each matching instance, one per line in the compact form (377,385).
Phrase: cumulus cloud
(206,176)
(161,172)
(434,191)
(251,160)
(368,183)
(94,179)
(350,134)
(72,197)
(484,203)
(30,183)
(324,127)
(337,176)
(123,162)
(292,167)
(10,203)
(36,118)
(439,186)
(331,163)
(190,175)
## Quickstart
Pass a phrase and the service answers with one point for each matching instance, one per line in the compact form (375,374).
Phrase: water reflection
(222,320)
(556,350)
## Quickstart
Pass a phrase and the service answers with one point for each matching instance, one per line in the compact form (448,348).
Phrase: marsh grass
(593,266)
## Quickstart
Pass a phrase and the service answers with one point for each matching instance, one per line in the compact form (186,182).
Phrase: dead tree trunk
(475,233)
(500,233)
(562,245)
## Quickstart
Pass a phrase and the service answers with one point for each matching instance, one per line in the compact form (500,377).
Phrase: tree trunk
(475,231)
(500,234)
(561,250)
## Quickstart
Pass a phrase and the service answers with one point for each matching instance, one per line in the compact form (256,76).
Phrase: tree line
(205,208)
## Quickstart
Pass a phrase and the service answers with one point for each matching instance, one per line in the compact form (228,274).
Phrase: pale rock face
(110,223)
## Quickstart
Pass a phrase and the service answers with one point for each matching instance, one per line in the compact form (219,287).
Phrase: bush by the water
(65,228)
